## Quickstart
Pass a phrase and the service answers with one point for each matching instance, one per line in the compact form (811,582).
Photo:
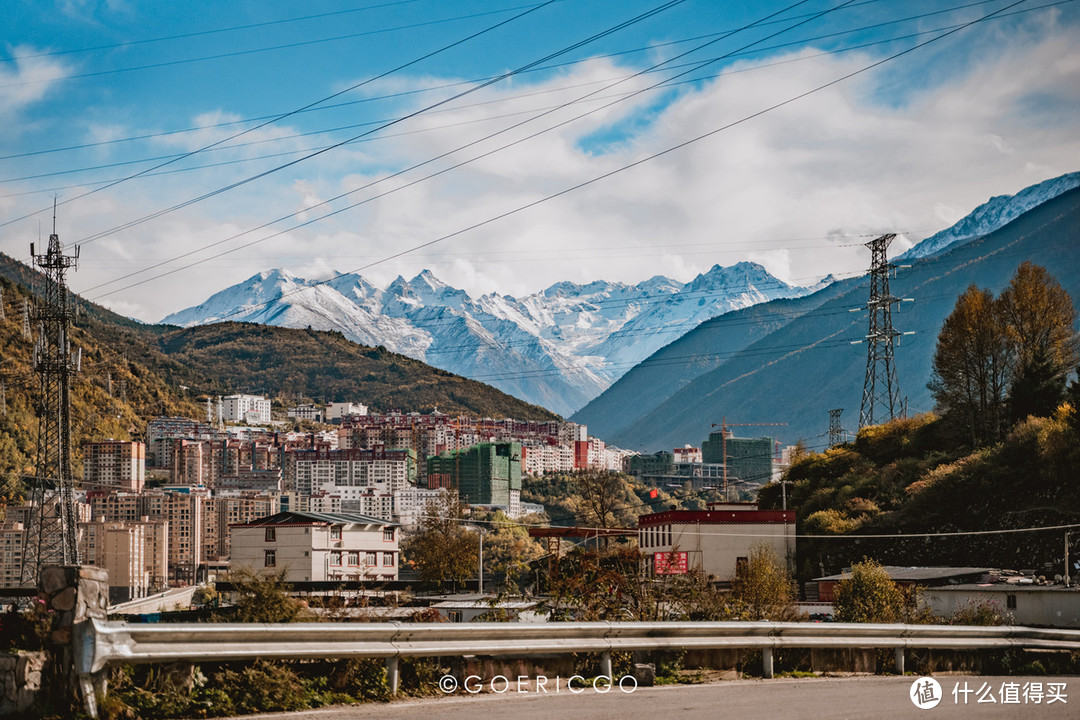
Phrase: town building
(749,460)
(248,409)
(114,465)
(714,541)
(318,547)
(309,412)
(485,474)
(335,411)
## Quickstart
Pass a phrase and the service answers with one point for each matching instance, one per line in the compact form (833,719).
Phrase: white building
(312,413)
(714,541)
(338,410)
(250,409)
(412,504)
(316,547)
(539,459)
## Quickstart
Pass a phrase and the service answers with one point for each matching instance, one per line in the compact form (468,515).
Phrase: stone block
(53,580)
(64,600)
(645,674)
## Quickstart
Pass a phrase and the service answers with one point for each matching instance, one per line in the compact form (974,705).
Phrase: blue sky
(909,147)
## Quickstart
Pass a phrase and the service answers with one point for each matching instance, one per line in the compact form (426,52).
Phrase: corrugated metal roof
(915,574)
(308,518)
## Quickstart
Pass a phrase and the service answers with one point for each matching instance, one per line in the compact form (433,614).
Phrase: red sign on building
(670,563)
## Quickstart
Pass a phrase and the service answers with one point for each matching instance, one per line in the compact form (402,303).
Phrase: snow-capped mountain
(558,348)
(995,213)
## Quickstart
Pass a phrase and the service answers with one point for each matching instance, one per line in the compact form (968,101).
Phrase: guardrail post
(899,665)
(766,662)
(605,664)
(392,674)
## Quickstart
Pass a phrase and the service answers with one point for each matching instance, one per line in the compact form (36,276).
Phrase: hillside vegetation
(158,370)
(916,476)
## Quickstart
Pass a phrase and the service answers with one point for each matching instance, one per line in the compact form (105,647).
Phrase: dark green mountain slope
(325,366)
(699,351)
(807,366)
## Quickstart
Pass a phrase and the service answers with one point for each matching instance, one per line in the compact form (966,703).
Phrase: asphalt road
(879,698)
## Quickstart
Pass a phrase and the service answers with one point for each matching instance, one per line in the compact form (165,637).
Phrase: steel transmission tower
(881,391)
(835,431)
(51,531)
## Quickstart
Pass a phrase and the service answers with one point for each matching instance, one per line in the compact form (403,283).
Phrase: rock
(645,674)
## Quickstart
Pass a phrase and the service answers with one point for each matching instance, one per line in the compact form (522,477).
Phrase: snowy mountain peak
(996,212)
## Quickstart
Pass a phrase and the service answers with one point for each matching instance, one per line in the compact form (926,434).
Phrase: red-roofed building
(714,541)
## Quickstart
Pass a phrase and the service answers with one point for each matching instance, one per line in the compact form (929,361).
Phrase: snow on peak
(996,212)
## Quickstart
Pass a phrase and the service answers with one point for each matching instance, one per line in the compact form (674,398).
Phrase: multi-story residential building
(542,458)
(222,511)
(114,465)
(12,535)
(163,431)
(351,473)
(314,547)
(485,474)
(412,504)
(120,549)
(249,409)
(182,510)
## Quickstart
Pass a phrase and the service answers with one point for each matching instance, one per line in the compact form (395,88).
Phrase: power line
(662,153)
(459,164)
(202,33)
(286,46)
(611,30)
(320,101)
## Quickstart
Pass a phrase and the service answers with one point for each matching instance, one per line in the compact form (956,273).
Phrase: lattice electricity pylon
(51,532)
(835,431)
(881,391)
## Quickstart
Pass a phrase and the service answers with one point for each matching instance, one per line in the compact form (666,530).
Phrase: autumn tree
(998,361)
(509,550)
(1039,317)
(869,595)
(972,365)
(762,586)
(443,548)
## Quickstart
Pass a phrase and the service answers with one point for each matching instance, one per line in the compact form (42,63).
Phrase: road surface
(879,698)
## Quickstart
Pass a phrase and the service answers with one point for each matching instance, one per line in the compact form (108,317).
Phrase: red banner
(670,563)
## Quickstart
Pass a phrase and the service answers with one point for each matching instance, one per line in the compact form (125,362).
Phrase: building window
(335,532)
(335,557)
(388,534)
(270,558)
(354,558)
(1010,602)
(388,559)
(271,534)
(369,559)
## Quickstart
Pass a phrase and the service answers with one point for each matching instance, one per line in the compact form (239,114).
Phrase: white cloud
(791,188)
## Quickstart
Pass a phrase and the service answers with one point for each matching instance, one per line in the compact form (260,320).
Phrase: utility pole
(835,431)
(1067,534)
(2,317)
(881,390)
(51,530)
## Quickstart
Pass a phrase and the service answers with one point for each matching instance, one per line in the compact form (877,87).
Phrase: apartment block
(114,465)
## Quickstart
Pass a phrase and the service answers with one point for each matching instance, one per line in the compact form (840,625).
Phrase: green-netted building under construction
(484,474)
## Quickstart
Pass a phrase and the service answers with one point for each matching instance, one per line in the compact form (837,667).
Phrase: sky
(507,146)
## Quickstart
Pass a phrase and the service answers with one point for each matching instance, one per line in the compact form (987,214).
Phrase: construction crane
(724,425)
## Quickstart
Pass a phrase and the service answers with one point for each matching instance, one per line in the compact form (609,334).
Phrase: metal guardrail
(99,644)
